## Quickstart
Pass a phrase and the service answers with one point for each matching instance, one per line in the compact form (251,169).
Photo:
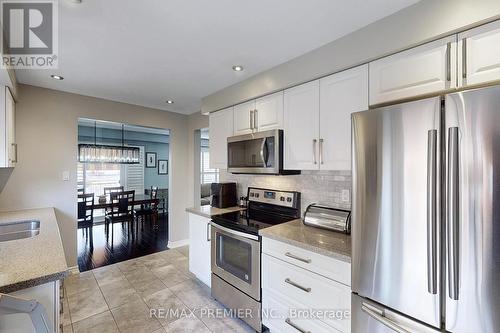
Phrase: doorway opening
(122,189)
(207,175)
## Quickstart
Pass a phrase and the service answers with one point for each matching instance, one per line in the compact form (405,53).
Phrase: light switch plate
(346,195)
(65,176)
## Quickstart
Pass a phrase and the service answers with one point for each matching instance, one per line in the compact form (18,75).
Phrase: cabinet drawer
(278,317)
(336,270)
(307,290)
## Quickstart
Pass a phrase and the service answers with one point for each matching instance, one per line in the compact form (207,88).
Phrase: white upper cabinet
(244,118)
(269,112)
(8,145)
(480,55)
(301,127)
(221,127)
(340,95)
(262,114)
(423,70)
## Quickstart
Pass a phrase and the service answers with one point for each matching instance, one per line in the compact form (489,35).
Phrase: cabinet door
(423,70)
(244,122)
(199,247)
(340,95)
(10,126)
(221,127)
(301,127)
(479,51)
(269,112)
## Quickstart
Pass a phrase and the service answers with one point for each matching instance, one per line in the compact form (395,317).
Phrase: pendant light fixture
(94,153)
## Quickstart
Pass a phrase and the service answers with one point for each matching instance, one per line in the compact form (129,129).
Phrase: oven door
(236,259)
(255,153)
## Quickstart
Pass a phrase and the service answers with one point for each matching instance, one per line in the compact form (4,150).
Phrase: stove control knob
(288,199)
(282,198)
(252,194)
(256,195)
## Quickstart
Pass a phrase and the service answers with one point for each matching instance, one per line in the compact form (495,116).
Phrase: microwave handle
(263,156)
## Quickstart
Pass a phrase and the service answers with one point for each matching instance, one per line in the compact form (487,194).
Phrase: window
(96,176)
(207,175)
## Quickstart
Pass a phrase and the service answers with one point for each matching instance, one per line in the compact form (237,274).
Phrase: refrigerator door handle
(378,315)
(452,215)
(431,211)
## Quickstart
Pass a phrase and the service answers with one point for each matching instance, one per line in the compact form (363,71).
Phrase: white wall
(426,20)
(46,133)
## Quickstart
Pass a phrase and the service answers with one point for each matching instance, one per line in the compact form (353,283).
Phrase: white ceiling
(147,51)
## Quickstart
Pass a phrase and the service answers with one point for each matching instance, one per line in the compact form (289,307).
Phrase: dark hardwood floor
(97,250)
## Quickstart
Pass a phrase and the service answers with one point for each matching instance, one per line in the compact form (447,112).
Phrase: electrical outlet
(65,176)
(346,195)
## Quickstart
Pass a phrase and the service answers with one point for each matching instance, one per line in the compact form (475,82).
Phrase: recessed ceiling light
(57,77)
(169,101)
(237,68)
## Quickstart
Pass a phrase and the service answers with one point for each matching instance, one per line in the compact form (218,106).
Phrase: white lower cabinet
(305,298)
(199,247)
(282,317)
(48,296)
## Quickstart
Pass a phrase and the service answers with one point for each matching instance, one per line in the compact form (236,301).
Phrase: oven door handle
(234,232)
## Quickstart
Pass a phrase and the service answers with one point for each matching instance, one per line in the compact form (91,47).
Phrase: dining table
(139,199)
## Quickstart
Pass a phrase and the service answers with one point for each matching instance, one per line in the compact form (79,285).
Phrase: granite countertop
(209,211)
(32,261)
(329,243)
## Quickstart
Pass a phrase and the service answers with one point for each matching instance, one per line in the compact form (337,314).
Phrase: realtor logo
(30,36)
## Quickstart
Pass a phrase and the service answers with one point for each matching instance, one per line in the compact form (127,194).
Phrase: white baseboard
(179,243)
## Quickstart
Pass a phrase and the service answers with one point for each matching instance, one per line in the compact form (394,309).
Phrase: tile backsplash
(322,187)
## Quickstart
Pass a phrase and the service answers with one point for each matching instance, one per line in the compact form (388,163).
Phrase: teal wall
(156,143)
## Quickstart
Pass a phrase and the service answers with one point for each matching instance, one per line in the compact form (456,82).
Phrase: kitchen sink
(19,230)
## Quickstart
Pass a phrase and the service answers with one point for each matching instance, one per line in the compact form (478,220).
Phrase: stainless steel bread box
(328,218)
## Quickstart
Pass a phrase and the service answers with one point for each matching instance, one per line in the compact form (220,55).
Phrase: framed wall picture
(150,160)
(162,167)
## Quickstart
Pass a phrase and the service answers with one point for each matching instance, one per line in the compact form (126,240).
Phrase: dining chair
(122,209)
(86,208)
(107,193)
(150,209)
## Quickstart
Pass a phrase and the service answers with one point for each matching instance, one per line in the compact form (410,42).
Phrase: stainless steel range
(236,250)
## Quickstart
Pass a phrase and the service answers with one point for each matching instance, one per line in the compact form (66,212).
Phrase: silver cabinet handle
(14,145)
(431,211)
(255,120)
(301,330)
(208,232)
(448,62)
(296,285)
(251,120)
(321,151)
(452,206)
(293,256)
(464,58)
(372,312)
(314,151)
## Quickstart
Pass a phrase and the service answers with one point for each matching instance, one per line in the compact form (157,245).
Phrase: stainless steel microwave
(257,153)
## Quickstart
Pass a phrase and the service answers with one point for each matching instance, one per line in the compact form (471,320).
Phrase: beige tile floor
(118,298)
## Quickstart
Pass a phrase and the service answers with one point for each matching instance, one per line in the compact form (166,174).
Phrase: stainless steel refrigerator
(426,215)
